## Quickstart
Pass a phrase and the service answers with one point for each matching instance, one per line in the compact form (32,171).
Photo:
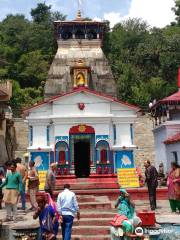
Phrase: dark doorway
(82,158)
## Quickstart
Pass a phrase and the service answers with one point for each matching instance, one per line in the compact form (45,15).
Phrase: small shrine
(166,117)
(81,124)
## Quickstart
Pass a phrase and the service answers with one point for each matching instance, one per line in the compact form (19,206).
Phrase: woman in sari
(124,204)
(173,183)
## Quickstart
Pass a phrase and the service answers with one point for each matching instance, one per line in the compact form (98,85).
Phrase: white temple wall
(170,148)
(160,136)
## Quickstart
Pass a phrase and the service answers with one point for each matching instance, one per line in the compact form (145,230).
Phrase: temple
(81,125)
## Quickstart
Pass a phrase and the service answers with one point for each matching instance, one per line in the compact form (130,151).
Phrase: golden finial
(78,17)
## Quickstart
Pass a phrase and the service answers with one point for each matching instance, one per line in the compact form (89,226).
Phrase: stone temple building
(81,125)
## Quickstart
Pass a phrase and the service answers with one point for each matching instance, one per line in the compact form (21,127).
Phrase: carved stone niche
(80,74)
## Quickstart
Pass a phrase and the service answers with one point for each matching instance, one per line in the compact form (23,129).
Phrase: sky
(157,13)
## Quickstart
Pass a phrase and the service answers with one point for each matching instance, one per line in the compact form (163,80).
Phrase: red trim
(82,89)
(81,129)
(171,100)
(179,78)
(173,139)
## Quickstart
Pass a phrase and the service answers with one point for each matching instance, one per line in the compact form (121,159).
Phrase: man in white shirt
(67,207)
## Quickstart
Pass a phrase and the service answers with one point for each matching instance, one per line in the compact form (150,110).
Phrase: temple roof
(173,139)
(173,99)
(83,89)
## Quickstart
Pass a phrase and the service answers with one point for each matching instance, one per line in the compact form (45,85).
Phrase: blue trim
(63,143)
(62,138)
(99,143)
(30,135)
(114,133)
(132,133)
(47,135)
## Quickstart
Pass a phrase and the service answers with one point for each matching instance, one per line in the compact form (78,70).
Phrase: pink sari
(174,187)
(53,204)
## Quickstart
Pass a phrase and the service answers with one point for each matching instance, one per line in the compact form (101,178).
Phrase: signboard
(41,160)
(124,159)
(42,179)
(127,177)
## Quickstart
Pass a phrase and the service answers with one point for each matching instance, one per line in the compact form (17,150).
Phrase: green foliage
(25,97)
(26,51)
(144,61)
(32,69)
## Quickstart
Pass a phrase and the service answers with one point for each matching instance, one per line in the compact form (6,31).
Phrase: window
(62,153)
(175,155)
(103,156)
(62,157)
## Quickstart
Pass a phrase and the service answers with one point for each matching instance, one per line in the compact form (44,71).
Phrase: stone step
(87,237)
(95,214)
(93,221)
(90,230)
(95,205)
(87,185)
(83,199)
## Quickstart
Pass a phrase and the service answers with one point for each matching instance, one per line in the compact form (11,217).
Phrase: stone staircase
(96,214)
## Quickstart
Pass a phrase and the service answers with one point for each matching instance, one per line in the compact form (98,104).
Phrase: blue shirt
(67,203)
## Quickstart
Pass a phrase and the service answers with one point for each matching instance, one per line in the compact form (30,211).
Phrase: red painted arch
(82,128)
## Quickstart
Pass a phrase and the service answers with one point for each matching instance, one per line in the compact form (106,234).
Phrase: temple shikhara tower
(81,125)
(79,59)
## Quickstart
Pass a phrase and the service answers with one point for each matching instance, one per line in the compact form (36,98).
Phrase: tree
(32,68)
(41,13)
(176,10)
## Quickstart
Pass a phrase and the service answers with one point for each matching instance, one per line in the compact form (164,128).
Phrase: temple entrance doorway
(82,158)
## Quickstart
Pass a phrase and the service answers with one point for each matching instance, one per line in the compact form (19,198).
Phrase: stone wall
(21,128)
(60,78)
(144,140)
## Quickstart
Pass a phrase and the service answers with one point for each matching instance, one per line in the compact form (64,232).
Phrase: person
(24,174)
(124,204)
(51,179)
(33,184)
(126,230)
(161,175)
(1,181)
(47,218)
(7,166)
(13,183)
(151,180)
(67,207)
(173,183)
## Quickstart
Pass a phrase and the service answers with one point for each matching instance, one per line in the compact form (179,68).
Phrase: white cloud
(156,12)
(113,18)
(97,19)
